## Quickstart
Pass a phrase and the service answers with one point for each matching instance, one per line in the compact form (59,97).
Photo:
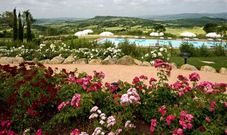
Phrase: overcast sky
(91,8)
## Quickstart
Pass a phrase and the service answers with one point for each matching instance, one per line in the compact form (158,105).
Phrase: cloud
(91,8)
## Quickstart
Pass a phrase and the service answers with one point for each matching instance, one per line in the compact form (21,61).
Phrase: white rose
(159,54)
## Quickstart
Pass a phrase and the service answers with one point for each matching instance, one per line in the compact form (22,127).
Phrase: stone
(174,65)
(109,61)
(208,69)
(126,60)
(46,61)
(223,71)
(138,62)
(1,55)
(81,61)
(69,60)
(146,63)
(57,60)
(95,62)
(6,60)
(35,60)
(188,67)
(18,60)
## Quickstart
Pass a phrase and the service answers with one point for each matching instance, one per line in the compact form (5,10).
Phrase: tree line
(18,23)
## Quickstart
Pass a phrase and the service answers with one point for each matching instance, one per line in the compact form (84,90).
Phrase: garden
(40,100)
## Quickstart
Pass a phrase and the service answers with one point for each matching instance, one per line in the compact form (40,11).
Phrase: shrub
(35,99)
(128,48)
(219,50)
(204,51)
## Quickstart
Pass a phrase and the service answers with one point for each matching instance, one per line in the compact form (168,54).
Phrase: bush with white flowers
(159,53)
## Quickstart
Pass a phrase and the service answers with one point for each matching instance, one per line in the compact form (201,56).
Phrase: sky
(129,8)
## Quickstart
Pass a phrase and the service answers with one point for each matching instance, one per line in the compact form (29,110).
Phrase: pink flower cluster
(111,121)
(85,82)
(153,124)
(39,132)
(207,119)
(210,88)
(128,124)
(152,80)
(75,132)
(212,106)
(162,109)
(169,118)
(74,103)
(131,96)
(186,89)
(136,80)
(6,132)
(99,75)
(33,112)
(143,77)
(62,105)
(178,131)
(111,87)
(194,77)
(98,131)
(6,123)
(184,119)
(182,78)
(160,64)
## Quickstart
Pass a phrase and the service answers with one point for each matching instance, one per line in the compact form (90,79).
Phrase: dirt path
(127,73)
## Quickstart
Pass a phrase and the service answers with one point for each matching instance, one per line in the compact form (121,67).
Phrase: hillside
(191,22)
(184,15)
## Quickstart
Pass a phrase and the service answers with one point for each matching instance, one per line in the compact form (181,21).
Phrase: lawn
(177,32)
(219,62)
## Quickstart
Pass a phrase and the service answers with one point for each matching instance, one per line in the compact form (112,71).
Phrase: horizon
(124,8)
(128,16)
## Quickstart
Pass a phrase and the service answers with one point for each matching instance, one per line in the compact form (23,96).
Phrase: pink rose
(207,119)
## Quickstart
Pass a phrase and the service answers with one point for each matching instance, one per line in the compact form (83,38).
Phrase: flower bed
(40,100)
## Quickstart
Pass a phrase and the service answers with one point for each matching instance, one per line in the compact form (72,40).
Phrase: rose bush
(34,99)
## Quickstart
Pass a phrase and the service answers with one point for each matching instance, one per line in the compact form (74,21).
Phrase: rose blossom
(207,119)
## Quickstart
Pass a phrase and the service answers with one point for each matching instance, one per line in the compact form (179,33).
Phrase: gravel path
(127,73)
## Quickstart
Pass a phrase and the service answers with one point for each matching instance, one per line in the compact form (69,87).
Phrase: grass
(219,62)
(177,32)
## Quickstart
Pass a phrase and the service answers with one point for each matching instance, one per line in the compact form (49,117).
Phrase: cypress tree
(20,29)
(29,34)
(14,25)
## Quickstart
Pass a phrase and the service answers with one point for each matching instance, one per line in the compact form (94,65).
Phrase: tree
(20,29)
(7,18)
(210,27)
(159,28)
(15,24)
(221,30)
(28,21)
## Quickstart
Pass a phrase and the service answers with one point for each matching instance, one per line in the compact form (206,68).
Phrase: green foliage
(191,22)
(219,50)
(29,37)
(210,27)
(36,97)
(15,34)
(204,51)
(189,48)
(219,62)
(20,30)
(128,48)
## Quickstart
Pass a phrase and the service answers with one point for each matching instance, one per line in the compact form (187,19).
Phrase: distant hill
(57,20)
(191,22)
(185,15)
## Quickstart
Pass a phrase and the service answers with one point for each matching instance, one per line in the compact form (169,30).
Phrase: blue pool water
(149,42)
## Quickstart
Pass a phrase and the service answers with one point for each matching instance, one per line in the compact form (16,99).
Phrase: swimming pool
(149,42)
